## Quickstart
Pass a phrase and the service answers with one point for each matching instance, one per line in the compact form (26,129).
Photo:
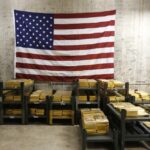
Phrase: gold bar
(82,98)
(92,83)
(83,83)
(92,98)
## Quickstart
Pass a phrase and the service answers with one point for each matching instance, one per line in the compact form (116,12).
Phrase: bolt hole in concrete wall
(132,50)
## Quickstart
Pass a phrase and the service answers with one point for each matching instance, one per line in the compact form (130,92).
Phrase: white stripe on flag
(83,20)
(83,31)
(65,73)
(65,53)
(65,63)
(84,41)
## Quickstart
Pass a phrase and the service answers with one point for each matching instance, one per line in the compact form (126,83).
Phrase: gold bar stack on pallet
(61,114)
(140,95)
(111,84)
(115,90)
(13,93)
(10,95)
(37,111)
(132,110)
(40,95)
(62,97)
(11,84)
(94,121)
(13,112)
(87,83)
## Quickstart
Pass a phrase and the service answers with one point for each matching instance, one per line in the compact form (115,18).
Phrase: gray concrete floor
(38,137)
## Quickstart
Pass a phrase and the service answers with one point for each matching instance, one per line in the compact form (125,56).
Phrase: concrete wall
(132,49)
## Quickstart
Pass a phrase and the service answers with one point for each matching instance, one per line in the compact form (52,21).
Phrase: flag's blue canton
(34,30)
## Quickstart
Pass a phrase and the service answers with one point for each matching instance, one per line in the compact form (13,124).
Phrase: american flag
(64,47)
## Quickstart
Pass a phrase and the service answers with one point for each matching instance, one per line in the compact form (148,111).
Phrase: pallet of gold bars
(61,117)
(62,96)
(12,116)
(87,95)
(87,84)
(131,109)
(37,106)
(126,118)
(111,84)
(118,90)
(40,96)
(25,85)
(95,128)
(139,97)
(13,94)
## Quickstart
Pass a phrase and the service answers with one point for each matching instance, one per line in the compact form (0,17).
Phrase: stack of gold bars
(111,84)
(61,114)
(131,110)
(94,121)
(116,98)
(40,95)
(10,95)
(37,111)
(92,97)
(17,82)
(62,96)
(113,96)
(13,112)
(87,83)
(82,96)
(140,95)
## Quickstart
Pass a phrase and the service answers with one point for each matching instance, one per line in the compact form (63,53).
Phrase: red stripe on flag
(64,68)
(64,58)
(84,25)
(62,79)
(86,15)
(84,47)
(84,36)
